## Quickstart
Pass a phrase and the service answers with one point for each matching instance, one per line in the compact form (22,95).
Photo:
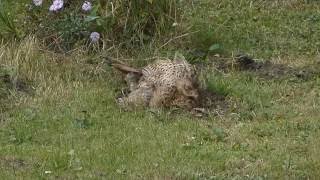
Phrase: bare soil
(9,162)
(266,69)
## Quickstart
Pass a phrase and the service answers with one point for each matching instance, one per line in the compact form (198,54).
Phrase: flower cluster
(56,5)
(94,36)
(86,6)
(37,2)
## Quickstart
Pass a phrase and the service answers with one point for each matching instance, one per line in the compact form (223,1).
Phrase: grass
(265,29)
(69,126)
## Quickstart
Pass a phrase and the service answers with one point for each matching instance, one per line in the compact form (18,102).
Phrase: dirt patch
(212,103)
(266,69)
(9,162)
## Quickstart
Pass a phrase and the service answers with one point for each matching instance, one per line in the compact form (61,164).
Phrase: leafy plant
(7,25)
(127,22)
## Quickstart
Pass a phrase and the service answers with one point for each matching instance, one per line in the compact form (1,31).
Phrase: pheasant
(163,83)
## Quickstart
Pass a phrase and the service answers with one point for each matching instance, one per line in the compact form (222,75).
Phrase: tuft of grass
(216,83)
(8,26)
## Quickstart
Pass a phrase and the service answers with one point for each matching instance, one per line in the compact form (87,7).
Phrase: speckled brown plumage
(163,83)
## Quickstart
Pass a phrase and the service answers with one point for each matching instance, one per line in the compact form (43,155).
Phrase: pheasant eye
(188,87)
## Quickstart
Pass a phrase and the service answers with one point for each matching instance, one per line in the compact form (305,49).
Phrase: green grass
(69,126)
(261,28)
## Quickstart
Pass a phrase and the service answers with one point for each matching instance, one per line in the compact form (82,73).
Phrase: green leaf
(219,133)
(91,18)
(214,47)
(100,22)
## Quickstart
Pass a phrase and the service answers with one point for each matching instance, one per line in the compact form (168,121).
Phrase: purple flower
(86,6)
(94,36)
(56,5)
(37,2)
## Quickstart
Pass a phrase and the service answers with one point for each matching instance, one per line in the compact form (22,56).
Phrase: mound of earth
(266,69)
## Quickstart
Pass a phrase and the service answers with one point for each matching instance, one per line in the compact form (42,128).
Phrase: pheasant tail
(123,67)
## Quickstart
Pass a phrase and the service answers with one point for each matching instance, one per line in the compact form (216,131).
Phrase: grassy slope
(72,127)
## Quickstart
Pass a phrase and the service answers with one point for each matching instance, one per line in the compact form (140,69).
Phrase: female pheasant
(160,84)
